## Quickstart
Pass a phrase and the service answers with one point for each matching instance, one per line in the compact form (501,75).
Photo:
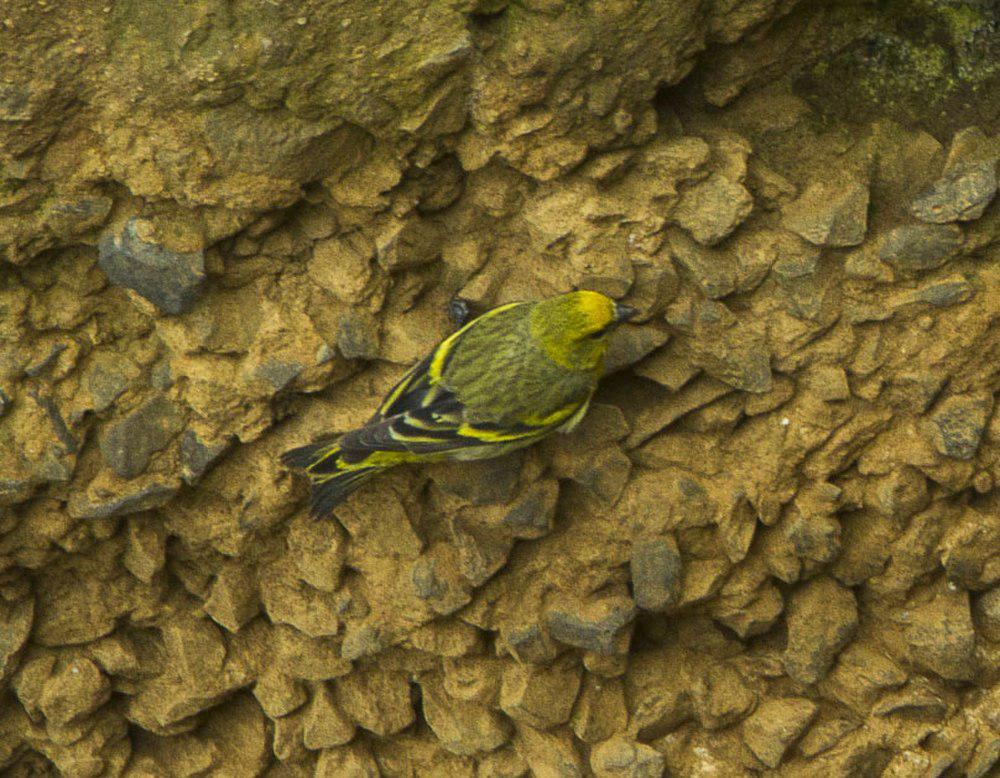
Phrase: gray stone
(917,248)
(71,217)
(822,618)
(129,444)
(830,214)
(597,626)
(145,496)
(532,515)
(106,385)
(481,482)
(357,337)
(425,582)
(197,456)
(5,402)
(277,373)
(171,280)
(961,194)
(957,424)
(529,643)
(655,566)
(631,343)
(943,293)
(160,376)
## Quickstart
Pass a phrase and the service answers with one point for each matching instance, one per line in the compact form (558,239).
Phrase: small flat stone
(197,455)
(775,725)
(956,426)
(620,757)
(141,496)
(917,248)
(832,214)
(711,209)
(532,514)
(822,617)
(597,626)
(961,194)
(357,337)
(128,445)
(171,280)
(940,636)
(655,566)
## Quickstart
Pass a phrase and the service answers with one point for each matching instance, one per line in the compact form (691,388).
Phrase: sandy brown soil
(773,547)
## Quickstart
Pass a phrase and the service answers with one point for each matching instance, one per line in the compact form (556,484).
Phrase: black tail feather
(315,456)
(330,483)
(327,495)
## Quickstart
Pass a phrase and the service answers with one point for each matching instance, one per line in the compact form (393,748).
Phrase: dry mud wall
(773,546)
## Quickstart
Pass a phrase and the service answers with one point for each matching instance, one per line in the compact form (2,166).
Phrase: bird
(502,381)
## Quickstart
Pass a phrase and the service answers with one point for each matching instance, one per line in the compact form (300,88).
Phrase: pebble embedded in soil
(171,280)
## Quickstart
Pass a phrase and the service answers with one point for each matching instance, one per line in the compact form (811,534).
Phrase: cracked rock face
(227,229)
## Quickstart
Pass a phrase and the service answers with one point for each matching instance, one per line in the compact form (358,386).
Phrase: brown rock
(145,552)
(317,548)
(324,724)
(957,424)
(549,754)
(15,625)
(288,600)
(721,697)
(342,265)
(655,566)
(599,625)
(822,617)
(970,549)
(775,725)
(830,213)
(600,709)
(987,612)
(464,728)
(961,194)
(278,694)
(377,699)
(940,635)
(541,697)
(748,603)
(350,761)
(620,757)
(711,209)
(472,678)
(233,599)
(76,689)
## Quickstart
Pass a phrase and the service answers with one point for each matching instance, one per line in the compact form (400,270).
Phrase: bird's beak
(624,313)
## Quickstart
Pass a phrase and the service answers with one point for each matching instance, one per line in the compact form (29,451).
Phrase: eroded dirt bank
(773,546)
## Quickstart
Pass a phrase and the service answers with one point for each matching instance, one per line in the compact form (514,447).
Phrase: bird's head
(573,328)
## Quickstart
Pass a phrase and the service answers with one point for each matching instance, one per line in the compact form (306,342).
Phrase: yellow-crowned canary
(503,381)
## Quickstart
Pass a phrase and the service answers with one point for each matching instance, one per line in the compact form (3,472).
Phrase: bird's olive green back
(501,372)
(499,350)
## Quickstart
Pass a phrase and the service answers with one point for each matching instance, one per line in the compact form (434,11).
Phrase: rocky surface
(771,547)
